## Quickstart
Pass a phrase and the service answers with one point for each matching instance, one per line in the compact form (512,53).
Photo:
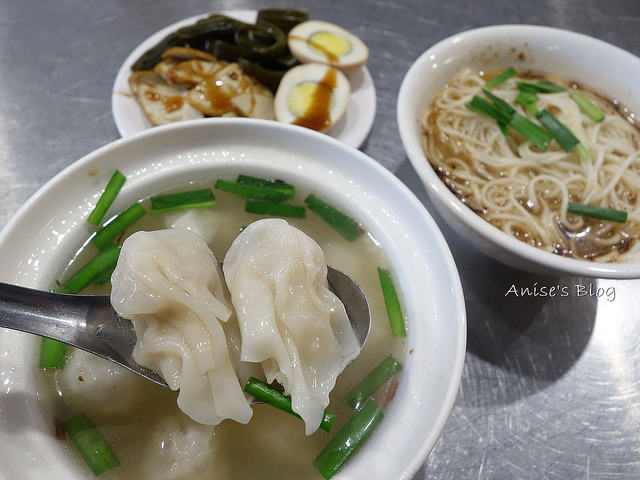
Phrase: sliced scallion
(582,151)
(587,106)
(274,397)
(485,107)
(275,209)
(112,230)
(92,270)
(53,354)
(528,101)
(560,132)
(105,275)
(348,439)
(251,191)
(502,77)
(106,199)
(91,444)
(504,114)
(542,87)
(342,223)
(285,188)
(199,198)
(536,134)
(500,103)
(601,213)
(392,303)
(359,394)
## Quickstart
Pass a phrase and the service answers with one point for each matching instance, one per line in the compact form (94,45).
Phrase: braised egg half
(324,42)
(312,95)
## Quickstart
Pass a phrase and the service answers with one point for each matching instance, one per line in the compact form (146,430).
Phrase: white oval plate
(47,230)
(129,118)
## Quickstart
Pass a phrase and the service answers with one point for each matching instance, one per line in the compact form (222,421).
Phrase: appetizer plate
(129,118)
(44,234)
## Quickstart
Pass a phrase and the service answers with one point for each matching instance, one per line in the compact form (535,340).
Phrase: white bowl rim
(398,423)
(511,247)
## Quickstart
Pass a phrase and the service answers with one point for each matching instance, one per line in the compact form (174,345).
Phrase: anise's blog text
(535,290)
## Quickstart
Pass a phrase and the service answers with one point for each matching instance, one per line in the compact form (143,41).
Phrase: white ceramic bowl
(597,64)
(44,232)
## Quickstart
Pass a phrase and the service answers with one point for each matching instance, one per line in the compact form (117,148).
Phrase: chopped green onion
(582,151)
(504,114)
(342,223)
(504,129)
(106,199)
(485,107)
(536,134)
(112,230)
(91,444)
(560,132)
(182,200)
(348,439)
(105,275)
(285,188)
(587,106)
(251,191)
(527,100)
(275,209)
(92,270)
(392,303)
(271,396)
(359,394)
(498,79)
(500,103)
(598,212)
(53,354)
(542,87)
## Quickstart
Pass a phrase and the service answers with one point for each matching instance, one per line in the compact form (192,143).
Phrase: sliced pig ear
(162,103)
(163,67)
(187,67)
(187,73)
(256,102)
(213,95)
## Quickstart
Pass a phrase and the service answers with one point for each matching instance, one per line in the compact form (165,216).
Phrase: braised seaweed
(261,48)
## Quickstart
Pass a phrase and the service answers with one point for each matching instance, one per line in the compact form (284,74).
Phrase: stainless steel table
(551,386)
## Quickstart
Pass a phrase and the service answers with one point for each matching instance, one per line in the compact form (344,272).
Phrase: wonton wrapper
(168,283)
(291,323)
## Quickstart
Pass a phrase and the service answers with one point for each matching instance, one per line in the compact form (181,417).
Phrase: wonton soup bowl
(43,235)
(598,65)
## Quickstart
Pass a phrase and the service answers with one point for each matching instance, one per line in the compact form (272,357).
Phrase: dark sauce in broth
(593,238)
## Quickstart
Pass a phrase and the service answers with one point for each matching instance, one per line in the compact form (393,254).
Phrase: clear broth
(142,421)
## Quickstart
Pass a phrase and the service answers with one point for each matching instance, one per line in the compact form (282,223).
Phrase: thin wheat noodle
(525,191)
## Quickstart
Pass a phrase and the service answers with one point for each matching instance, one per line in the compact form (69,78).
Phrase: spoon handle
(90,323)
(84,321)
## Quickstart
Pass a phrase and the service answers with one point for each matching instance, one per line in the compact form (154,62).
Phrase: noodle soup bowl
(601,67)
(44,234)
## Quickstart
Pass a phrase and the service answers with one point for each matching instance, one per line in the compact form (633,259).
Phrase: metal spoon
(90,323)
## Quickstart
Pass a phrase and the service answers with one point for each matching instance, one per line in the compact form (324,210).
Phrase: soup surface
(153,438)
(525,190)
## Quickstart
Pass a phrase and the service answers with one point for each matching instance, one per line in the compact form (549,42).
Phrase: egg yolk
(330,44)
(307,96)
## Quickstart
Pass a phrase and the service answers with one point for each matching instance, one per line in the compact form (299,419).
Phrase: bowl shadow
(524,330)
